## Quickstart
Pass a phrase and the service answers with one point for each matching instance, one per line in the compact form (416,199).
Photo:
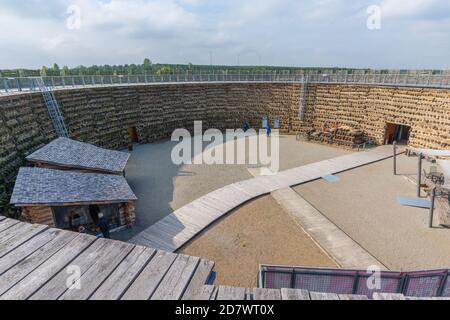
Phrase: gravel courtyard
(162,187)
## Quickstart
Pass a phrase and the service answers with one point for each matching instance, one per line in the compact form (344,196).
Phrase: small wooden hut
(64,199)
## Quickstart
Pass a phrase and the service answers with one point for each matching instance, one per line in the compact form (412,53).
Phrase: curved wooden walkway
(176,229)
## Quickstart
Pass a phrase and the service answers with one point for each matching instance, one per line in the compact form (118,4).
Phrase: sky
(379,34)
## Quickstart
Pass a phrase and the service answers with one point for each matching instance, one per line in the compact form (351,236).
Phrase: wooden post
(395,157)
(433,198)
(419,174)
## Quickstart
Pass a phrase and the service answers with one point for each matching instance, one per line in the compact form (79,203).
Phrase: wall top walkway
(178,228)
(28,84)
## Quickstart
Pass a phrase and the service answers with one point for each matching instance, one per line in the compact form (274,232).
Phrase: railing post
(394,145)
(5,83)
(419,174)
(433,198)
(73,82)
(19,87)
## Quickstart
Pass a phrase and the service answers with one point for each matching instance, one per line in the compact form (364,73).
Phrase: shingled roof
(70,153)
(41,186)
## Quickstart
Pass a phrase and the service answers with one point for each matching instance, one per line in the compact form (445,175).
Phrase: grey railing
(8,85)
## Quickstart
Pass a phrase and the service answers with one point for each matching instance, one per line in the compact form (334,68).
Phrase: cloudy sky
(412,33)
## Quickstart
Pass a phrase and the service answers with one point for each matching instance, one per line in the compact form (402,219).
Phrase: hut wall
(38,214)
(127,215)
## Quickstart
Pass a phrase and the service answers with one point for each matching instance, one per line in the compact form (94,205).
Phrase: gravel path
(363,203)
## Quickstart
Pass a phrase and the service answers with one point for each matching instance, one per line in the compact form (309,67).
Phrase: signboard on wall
(276,122)
(265,122)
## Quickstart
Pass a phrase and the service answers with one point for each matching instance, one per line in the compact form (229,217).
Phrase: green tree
(64,71)
(43,71)
(147,62)
(55,67)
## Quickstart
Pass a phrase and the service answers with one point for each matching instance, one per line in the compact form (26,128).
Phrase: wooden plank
(118,282)
(214,293)
(47,270)
(148,280)
(230,293)
(14,230)
(2,218)
(6,224)
(58,285)
(266,294)
(33,261)
(199,279)
(388,296)
(248,294)
(294,294)
(352,297)
(26,249)
(323,296)
(93,278)
(176,279)
(21,236)
(205,292)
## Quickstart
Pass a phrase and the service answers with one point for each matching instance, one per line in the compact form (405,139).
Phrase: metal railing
(11,85)
(430,283)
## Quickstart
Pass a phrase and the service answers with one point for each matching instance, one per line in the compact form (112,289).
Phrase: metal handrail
(20,84)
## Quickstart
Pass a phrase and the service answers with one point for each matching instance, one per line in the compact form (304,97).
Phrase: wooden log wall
(102,115)
(38,214)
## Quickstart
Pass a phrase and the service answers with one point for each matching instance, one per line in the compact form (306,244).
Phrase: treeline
(147,67)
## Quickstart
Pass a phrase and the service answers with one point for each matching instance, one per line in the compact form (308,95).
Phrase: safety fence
(8,85)
(432,283)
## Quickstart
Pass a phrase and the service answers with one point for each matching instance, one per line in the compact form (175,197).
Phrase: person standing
(268,130)
(103,225)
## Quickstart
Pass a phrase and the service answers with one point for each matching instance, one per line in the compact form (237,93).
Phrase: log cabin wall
(103,115)
(38,214)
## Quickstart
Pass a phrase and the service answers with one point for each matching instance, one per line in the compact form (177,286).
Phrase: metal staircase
(53,108)
(303,98)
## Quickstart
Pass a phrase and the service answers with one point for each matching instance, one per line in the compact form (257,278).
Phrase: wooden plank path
(41,263)
(176,229)
(344,250)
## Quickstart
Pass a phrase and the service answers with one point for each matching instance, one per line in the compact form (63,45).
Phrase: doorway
(396,132)
(133,134)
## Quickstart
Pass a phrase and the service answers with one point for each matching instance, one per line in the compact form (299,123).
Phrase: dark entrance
(396,132)
(133,134)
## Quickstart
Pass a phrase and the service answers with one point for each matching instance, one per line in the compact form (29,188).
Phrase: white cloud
(415,8)
(277,32)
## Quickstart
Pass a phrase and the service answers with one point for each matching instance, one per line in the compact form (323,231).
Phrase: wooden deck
(41,263)
(37,262)
(210,292)
(176,229)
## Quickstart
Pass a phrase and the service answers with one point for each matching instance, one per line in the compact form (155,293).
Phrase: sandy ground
(162,187)
(258,232)
(364,204)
